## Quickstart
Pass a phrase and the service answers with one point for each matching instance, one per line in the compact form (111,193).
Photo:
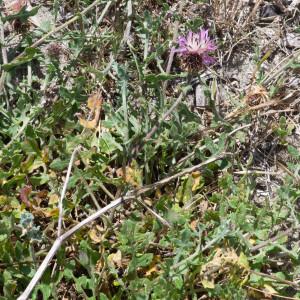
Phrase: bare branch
(63,193)
(130,196)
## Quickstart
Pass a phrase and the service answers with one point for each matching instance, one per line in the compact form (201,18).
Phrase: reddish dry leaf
(13,7)
(24,193)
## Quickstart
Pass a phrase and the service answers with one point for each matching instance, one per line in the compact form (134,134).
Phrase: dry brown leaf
(24,193)
(49,213)
(193,224)
(132,174)
(94,103)
(116,259)
(95,236)
(256,95)
(13,7)
(53,199)
(148,201)
(222,262)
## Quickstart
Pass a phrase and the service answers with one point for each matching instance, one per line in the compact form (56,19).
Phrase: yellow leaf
(53,199)
(270,289)
(252,241)
(158,193)
(208,284)
(196,180)
(151,271)
(243,261)
(45,155)
(133,175)
(116,258)
(87,124)
(3,200)
(94,103)
(94,236)
(51,212)
(153,267)
(116,283)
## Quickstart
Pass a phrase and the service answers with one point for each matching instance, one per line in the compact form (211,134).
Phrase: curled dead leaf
(132,174)
(53,199)
(24,193)
(95,236)
(94,103)
(196,180)
(222,263)
(256,95)
(116,259)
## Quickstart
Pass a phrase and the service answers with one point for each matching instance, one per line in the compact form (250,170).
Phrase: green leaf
(45,289)
(22,15)
(59,165)
(108,144)
(29,55)
(293,151)
(178,282)
(102,297)
(144,260)
(18,179)
(156,78)
(81,283)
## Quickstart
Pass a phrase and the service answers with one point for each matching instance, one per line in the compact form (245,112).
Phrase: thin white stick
(2,40)
(131,195)
(58,242)
(63,193)
(160,218)
(101,16)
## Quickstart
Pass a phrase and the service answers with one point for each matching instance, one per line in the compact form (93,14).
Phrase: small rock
(293,40)
(201,100)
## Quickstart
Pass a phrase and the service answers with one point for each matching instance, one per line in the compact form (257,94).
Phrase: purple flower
(197,44)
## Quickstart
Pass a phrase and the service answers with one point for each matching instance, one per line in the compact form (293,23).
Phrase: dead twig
(130,196)
(275,278)
(63,193)
(155,214)
(253,12)
(58,242)
(2,41)
(171,56)
(271,294)
(273,239)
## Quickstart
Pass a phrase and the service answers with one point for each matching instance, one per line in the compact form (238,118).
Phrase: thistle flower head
(197,45)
